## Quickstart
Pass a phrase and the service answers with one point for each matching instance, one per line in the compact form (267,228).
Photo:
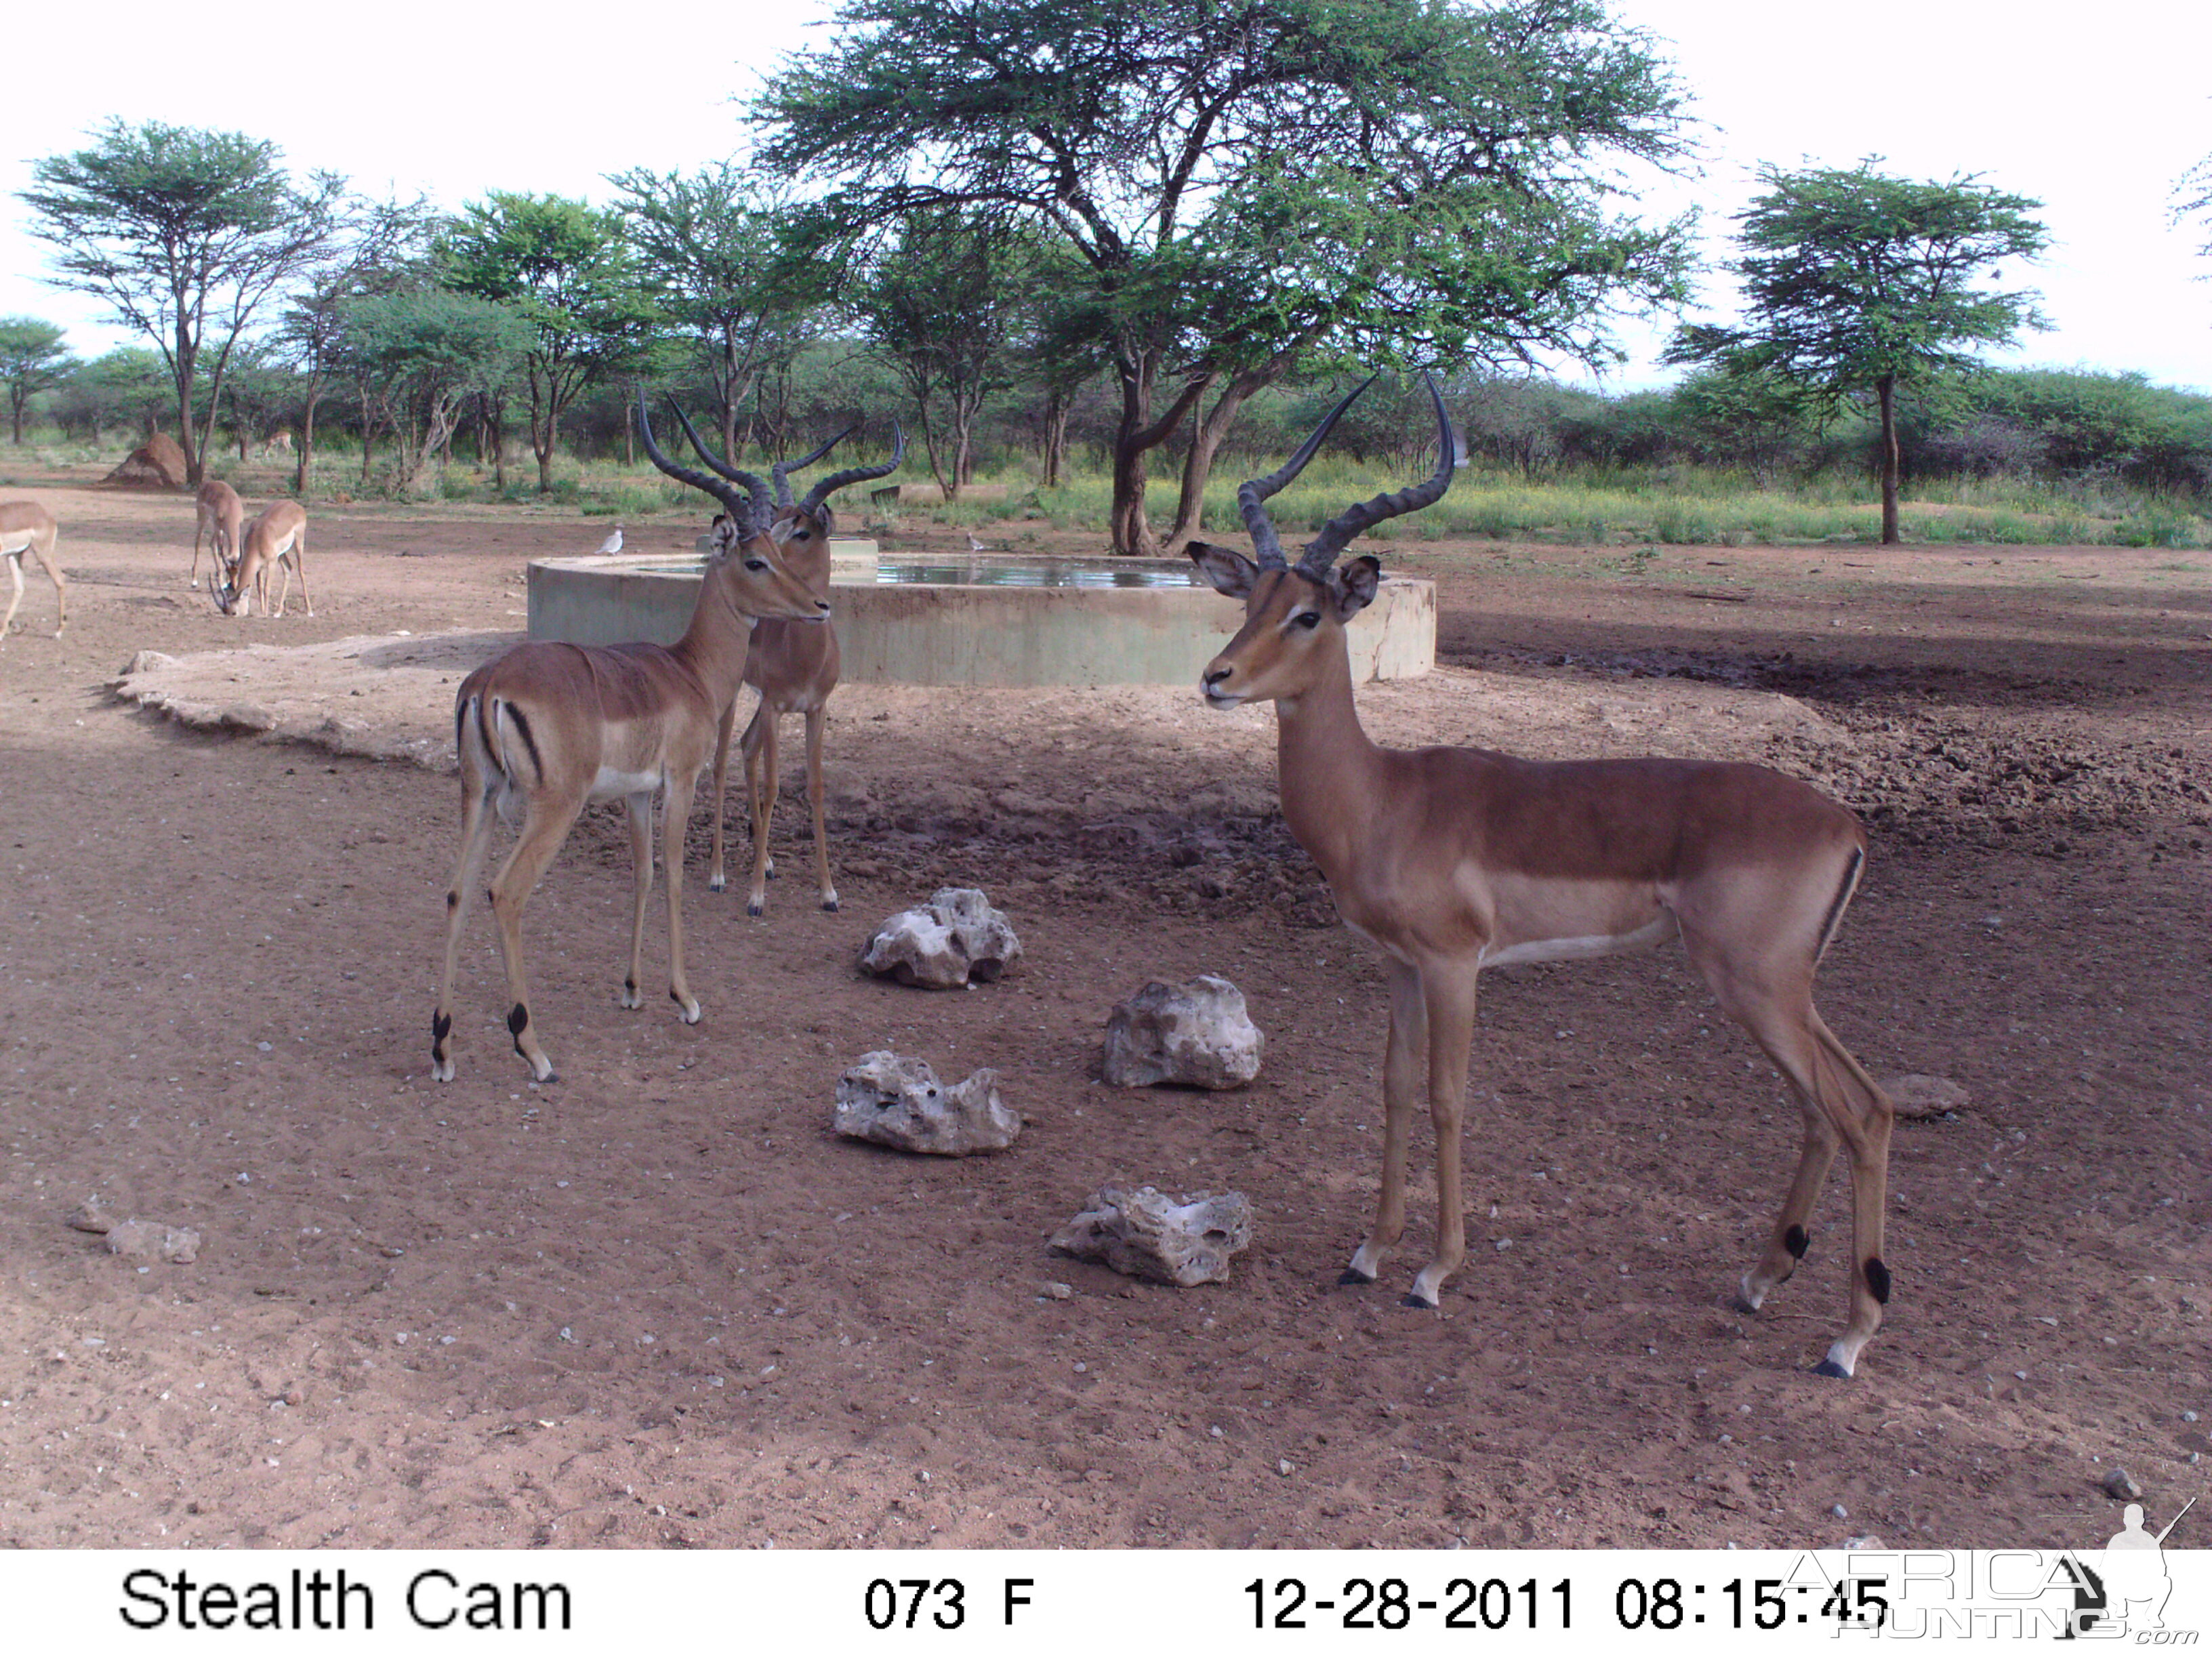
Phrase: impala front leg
(676,810)
(760,785)
(717,879)
(1403,1064)
(1450,993)
(816,719)
(638,808)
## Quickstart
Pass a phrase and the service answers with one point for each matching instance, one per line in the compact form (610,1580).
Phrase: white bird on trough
(613,543)
(974,546)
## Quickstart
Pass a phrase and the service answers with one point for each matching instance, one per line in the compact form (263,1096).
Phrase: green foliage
(185,234)
(1243,187)
(32,359)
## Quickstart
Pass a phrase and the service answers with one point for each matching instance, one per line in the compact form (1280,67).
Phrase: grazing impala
(219,513)
(1450,860)
(546,727)
(27,527)
(793,666)
(277,539)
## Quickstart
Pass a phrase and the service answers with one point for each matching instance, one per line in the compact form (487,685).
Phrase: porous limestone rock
(1197,1034)
(1142,1233)
(1917,1094)
(153,1239)
(955,940)
(900,1103)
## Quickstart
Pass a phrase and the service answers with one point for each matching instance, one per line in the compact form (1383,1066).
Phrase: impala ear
(1229,572)
(1352,586)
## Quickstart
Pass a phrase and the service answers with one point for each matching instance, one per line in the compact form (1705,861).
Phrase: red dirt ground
(656,1302)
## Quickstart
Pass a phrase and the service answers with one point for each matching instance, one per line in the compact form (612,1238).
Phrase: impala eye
(1308,619)
(756,564)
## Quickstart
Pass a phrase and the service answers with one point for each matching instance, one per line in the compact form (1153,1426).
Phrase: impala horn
(1320,552)
(752,509)
(854,475)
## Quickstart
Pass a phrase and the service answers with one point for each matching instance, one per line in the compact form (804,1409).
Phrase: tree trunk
(1886,389)
(1137,370)
(1198,465)
(1055,435)
(307,460)
(17,403)
(543,447)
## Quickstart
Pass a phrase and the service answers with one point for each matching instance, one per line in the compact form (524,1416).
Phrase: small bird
(613,543)
(974,546)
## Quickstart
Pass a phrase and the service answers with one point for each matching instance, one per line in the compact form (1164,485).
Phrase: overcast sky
(2096,116)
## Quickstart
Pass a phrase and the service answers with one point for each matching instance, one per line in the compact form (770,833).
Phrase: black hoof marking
(1742,1304)
(441,1026)
(1797,1241)
(829,904)
(1410,1300)
(452,899)
(1877,1278)
(1829,1368)
(1354,1276)
(517,1022)
(752,909)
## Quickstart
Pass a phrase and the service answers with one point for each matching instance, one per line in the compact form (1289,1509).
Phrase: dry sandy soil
(656,1302)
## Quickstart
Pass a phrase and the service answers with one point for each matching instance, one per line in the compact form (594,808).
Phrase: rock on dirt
(154,1240)
(1146,1235)
(1917,1095)
(954,940)
(1197,1034)
(2119,1483)
(896,1102)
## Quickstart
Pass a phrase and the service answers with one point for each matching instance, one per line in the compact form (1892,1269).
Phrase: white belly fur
(607,783)
(1593,945)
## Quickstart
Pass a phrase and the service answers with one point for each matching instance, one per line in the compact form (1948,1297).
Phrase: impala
(793,666)
(546,727)
(218,514)
(27,527)
(1450,860)
(275,540)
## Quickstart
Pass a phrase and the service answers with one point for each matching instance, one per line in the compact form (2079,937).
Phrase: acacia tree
(714,244)
(32,359)
(185,234)
(426,354)
(1858,283)
(1247,186)
(569,269)
(378,248)
(945,306)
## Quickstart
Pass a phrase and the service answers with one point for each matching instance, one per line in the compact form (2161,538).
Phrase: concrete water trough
(981,619)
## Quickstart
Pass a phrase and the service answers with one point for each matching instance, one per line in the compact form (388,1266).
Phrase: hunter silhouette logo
(2135,1584)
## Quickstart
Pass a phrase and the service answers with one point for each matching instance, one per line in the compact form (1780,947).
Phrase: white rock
(1146,1235)
(1197,1034)
(900,1103)
(954,940)
(153,1238)
(1917,1095)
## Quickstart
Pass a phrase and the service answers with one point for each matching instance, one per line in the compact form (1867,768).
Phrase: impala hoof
(717,882)
(628,996)
(1742,1304)
(1354,1276)
(1414,1299)
(756,907)
(1829,1368)
(441,1070)
(688,1010)
(830,902)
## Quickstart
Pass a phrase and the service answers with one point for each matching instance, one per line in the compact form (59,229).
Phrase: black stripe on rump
(1844,888)
(522,730)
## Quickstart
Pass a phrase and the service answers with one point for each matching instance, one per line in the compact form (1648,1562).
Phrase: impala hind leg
(638,809)
(1845,1110)
(544,830)
(1404,1064)
(761,782)
(816,719)
(676,814)
(468,871)
(300,564)
(15,563)
(717,879)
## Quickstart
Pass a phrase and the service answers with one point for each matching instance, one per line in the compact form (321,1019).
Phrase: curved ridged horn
(782,470)
(1320,552)
(742,509)
(835,481)
(757,491)
(1253,492)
